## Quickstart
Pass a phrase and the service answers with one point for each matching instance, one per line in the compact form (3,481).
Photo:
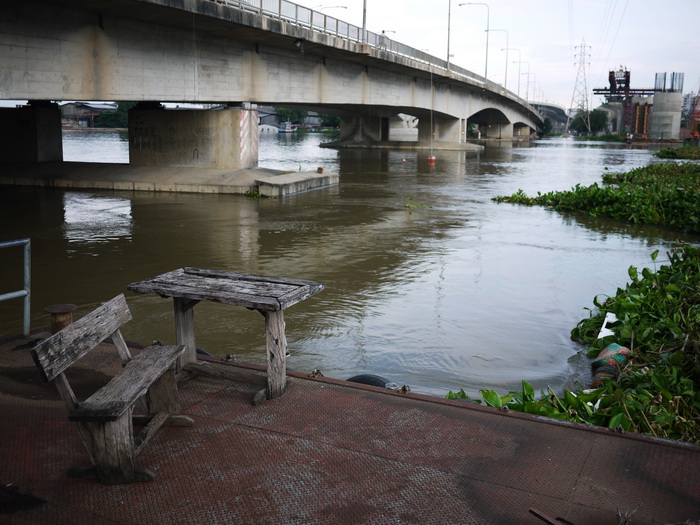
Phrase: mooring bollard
(61,316)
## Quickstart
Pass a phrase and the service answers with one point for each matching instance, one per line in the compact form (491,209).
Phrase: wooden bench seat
(105,420)
(117,396)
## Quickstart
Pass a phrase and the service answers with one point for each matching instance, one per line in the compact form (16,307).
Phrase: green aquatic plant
(686,152)
(663,194)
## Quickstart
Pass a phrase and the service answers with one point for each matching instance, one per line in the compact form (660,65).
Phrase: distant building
(651,113)
(82,114)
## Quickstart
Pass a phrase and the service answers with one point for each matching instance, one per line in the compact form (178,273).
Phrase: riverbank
(332,452)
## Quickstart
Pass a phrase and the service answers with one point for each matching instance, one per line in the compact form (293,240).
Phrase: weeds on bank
(611,137)
(255,194)
(657,392)
(686,152)
(663,194)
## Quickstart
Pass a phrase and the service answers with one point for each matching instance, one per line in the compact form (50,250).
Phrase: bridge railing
(317,21)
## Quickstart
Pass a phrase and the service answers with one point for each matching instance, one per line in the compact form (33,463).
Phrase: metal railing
(317,21)
(26,292)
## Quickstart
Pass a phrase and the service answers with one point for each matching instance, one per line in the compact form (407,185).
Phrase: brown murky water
(428,282)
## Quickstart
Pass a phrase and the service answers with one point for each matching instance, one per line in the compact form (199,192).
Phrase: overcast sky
(646,36)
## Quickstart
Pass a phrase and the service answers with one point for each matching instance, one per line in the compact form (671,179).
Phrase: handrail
(317,21)
(26,292)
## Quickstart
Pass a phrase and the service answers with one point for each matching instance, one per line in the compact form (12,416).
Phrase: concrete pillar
(444,130)
(666,116)
(521,131)
(218,138)
(498,130)
(363,128)
(31,133)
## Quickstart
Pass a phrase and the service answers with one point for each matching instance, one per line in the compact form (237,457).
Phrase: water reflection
(90,218)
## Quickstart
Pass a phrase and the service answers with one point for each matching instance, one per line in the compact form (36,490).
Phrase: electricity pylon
(580,96)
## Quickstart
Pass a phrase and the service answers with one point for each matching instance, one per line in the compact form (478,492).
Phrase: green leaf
(619,420)
(632,272)
(492,398)
(528,392)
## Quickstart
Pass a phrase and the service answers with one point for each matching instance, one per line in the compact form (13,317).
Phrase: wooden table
(268,295)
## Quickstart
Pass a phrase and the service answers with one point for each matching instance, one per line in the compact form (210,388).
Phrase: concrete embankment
(171,179)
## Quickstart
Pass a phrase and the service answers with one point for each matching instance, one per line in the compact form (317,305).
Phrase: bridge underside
(227,137)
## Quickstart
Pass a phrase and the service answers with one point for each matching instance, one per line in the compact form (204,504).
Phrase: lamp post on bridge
(527,86)
(505,81)
(519,56)
(449,16)
(364,22)
(486,62)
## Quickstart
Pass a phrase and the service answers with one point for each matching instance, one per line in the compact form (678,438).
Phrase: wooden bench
(105,420)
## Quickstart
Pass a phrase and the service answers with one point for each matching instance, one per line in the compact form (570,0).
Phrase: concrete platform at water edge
(172,179)
(329,451)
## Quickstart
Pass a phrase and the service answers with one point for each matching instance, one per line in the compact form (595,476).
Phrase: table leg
(276,353)
(184,330)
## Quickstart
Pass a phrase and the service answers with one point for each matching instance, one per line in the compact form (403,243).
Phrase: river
(429,283)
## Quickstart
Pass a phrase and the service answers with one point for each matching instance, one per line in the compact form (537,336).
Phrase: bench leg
(162,394)
(112,450)
(184,330)
(276,353)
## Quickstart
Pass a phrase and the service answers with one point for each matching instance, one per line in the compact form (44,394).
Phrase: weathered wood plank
(184,330)
(122,348)
(149,431)
(112,400)
(276,354)
(56,353)
(237,289)
(114,445)
(226,372)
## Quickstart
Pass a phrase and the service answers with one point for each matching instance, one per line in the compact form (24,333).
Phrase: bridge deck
(330,452)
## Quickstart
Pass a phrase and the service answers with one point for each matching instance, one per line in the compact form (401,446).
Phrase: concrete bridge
(237,54)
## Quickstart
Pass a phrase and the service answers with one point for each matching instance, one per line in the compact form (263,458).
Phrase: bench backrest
(58,352)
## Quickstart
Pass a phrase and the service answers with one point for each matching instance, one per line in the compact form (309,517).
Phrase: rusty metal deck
(331,452)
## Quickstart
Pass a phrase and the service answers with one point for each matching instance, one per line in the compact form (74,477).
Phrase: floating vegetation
(611,137)
(255,194)
(686,152)
(662,194)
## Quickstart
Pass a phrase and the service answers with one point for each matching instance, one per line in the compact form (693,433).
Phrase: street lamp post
(505,81)
(519,56)
(527,86)
(364,22)
(449,16)
(486,62)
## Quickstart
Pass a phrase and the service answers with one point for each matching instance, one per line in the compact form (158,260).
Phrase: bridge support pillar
(497,130)
(222,138)
(364,128)
(443,130)
(31,133)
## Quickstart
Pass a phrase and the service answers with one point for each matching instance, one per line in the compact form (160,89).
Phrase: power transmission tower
(580,96)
